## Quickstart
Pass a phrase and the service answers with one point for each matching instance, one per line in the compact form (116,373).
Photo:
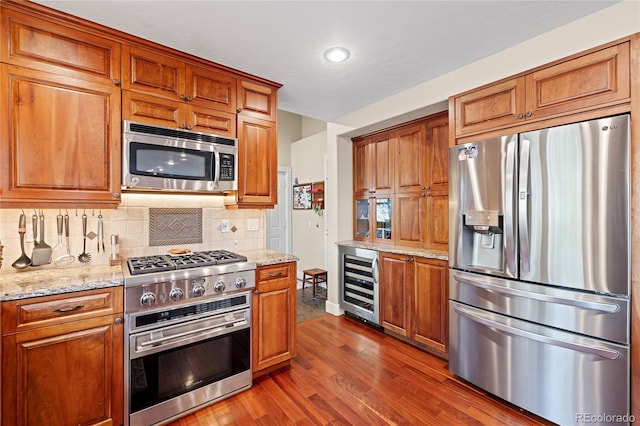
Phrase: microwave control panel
(227,167)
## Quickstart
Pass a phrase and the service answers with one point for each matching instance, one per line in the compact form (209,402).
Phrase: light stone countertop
(389,248)
(51,281)
(48,281)
(268,257)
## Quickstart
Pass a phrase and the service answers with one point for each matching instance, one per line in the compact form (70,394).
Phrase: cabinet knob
(182,96)
(118,320)
(189,98)
(116,82)
(182,126)
(529,114)
(239,110)
(189,127)
(116,195)
(239,197)
(520,116)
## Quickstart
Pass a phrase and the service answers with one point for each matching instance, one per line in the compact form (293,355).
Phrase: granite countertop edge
(50,281)
(389,248)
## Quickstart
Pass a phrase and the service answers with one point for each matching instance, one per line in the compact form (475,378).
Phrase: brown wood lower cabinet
(62,359)
(273,317)
(414,299)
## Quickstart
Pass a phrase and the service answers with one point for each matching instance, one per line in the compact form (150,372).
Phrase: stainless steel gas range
(187,332)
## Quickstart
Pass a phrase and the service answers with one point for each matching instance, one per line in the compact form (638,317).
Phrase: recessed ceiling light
(336,54)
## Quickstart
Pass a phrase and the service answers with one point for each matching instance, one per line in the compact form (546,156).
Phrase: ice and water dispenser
(482,236)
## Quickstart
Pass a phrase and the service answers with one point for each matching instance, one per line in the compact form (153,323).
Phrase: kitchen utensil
(23,261)
(100,233)
(84,257)
(41,251)
(66,259)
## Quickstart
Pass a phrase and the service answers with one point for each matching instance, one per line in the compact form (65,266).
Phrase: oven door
(179,368)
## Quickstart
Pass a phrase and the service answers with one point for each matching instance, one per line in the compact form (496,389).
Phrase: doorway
(279,218)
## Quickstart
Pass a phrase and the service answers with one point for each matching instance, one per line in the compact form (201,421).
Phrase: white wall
(617,21)
(289,131)
(307,159)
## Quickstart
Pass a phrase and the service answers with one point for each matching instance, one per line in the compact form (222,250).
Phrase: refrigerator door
(573,206)
(482,227)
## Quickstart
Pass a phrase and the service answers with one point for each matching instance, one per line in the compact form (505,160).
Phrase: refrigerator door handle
(600,352)
(523,205)
(595,306)
(510,187)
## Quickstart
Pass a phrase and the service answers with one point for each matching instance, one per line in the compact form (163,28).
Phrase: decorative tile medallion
(175,226)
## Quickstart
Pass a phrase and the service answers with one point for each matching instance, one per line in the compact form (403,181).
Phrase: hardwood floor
(346,373)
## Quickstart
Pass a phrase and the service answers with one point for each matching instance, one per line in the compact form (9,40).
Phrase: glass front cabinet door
(373,218)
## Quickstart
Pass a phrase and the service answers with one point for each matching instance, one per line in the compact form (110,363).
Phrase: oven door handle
(199,332)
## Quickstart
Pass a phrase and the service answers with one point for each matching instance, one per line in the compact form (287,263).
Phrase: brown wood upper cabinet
(59,114)
(594,80)
(257,100)
(401,184)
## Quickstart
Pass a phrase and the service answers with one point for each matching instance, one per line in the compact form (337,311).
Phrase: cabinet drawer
(273,277)
(26,314)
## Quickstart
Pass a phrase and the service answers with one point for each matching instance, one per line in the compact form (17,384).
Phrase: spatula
(41,251)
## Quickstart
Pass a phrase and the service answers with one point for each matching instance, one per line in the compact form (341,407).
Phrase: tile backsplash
(131,222)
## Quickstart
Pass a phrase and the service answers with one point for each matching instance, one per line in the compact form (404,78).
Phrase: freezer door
(561,376)
(573,206)
(604,317)
(482,227)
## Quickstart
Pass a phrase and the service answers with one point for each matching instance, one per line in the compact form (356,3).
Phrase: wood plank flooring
(346,373)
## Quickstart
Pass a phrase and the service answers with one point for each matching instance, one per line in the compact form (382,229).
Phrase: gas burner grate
(147,264)
(160,263)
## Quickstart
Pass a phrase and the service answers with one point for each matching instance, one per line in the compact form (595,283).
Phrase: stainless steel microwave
(176,160)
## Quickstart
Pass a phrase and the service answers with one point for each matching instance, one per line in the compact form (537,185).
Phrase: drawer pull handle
(69,309)
(273,275)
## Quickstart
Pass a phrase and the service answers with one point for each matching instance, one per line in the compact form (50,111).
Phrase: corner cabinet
(60,114)
(62,359)
(273,318)
(595,80)
(414,296)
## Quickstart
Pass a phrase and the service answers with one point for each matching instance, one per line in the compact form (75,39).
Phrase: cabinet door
(382,163)
(257,161)
(362,215)
(273,315)
(491,107)
(597,79)
(438,154)
(153,73)
(257,100)
(362,168)
(64,375)
(411,162)
(382,215)
(150,109)
(396,277)
(43,45)
(410,219)
(209,120)
(430,318)
(61,139)
(211,89)
(437,224)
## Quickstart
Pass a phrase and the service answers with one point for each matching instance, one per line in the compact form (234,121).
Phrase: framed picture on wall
(302,197)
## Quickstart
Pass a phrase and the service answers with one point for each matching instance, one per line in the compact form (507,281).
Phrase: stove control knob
(241,282)
(147,298)
(198,289)
(176,294)
(219,286)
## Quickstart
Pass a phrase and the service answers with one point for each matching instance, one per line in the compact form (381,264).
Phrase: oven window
(171,162)
(161,376)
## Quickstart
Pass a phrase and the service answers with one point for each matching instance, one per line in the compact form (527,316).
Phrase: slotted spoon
(84,257)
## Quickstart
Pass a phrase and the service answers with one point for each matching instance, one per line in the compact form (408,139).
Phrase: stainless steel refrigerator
(539,256)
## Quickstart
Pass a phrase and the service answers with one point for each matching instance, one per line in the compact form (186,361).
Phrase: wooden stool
(316,276)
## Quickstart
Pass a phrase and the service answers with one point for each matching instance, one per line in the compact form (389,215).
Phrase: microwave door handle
(216,171)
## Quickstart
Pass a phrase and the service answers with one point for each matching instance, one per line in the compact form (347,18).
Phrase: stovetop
(159,263)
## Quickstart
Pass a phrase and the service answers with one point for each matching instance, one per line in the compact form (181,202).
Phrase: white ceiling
(394,45)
